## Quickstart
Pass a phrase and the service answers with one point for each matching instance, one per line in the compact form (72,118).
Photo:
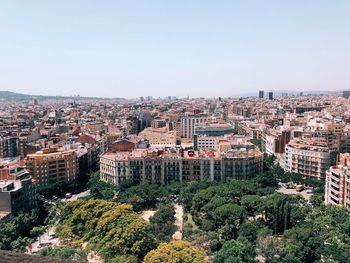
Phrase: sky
(129,48)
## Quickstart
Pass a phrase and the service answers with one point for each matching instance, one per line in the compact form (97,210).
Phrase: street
(282,189)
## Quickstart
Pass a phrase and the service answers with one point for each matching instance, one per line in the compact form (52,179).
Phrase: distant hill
(12,96)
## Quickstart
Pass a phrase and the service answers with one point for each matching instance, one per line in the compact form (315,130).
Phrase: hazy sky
(132,48)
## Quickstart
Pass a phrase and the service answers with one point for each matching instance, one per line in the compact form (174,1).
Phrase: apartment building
(203,142)
(51,165)
(206,135)
(158,123)
(308,157)
(337,187)
(16,188)
(329,130)
(9,147)
(213,129)
(275,140)
(16,195)
(159,136)
(251,129)
(173,164)
(189,122)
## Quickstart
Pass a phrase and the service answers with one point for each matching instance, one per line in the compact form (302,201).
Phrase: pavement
(179,212)
(80,195)
(284,190)
(147,214)
(76,196)
(47,239)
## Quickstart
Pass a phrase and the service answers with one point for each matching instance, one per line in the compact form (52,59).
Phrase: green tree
(122,259)
(249,230)
(234,251)
(113,229)
(162,222)
(100,189)
(267,245)
(64,252)
(252,204)
(175,252)
(227,219)
(291,253)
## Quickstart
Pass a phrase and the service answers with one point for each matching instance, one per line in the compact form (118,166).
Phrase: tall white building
(188,123)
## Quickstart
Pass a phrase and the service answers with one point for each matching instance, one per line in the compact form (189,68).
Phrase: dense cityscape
(252,179)
(174,131)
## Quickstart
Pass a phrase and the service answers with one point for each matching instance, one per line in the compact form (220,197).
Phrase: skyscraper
(261,94)
(270,95)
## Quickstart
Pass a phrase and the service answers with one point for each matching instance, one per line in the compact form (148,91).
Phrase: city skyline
(121,49)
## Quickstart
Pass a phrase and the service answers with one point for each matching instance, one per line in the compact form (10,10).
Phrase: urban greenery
(112,229)
(22,228)
(162,222)
(175,251)
(64,252)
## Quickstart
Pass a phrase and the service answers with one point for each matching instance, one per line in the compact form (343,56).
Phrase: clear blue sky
(130,48)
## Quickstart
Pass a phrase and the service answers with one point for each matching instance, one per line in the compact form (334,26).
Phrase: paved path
(179,212)
(147,214)
(47,239)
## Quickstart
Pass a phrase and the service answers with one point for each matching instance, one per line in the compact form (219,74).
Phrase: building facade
(307,157)
(337,187)
(163,166)
(188,123)
(50,165)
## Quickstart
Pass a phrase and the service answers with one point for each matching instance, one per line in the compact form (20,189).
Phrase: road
(80,195)
(287,191)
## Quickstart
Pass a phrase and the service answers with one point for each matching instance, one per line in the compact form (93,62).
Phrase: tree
(100,189)
(227,219)
(208,241)
(311,242)
(114,229)
(249,230)
(122,259)
(234,251)
(142,196)
(252,204)
(16,231)
(162,222)
(268,246)
(317,199)
(291,253)
(64,252)
(175,252)
(282,212)
(189,190)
